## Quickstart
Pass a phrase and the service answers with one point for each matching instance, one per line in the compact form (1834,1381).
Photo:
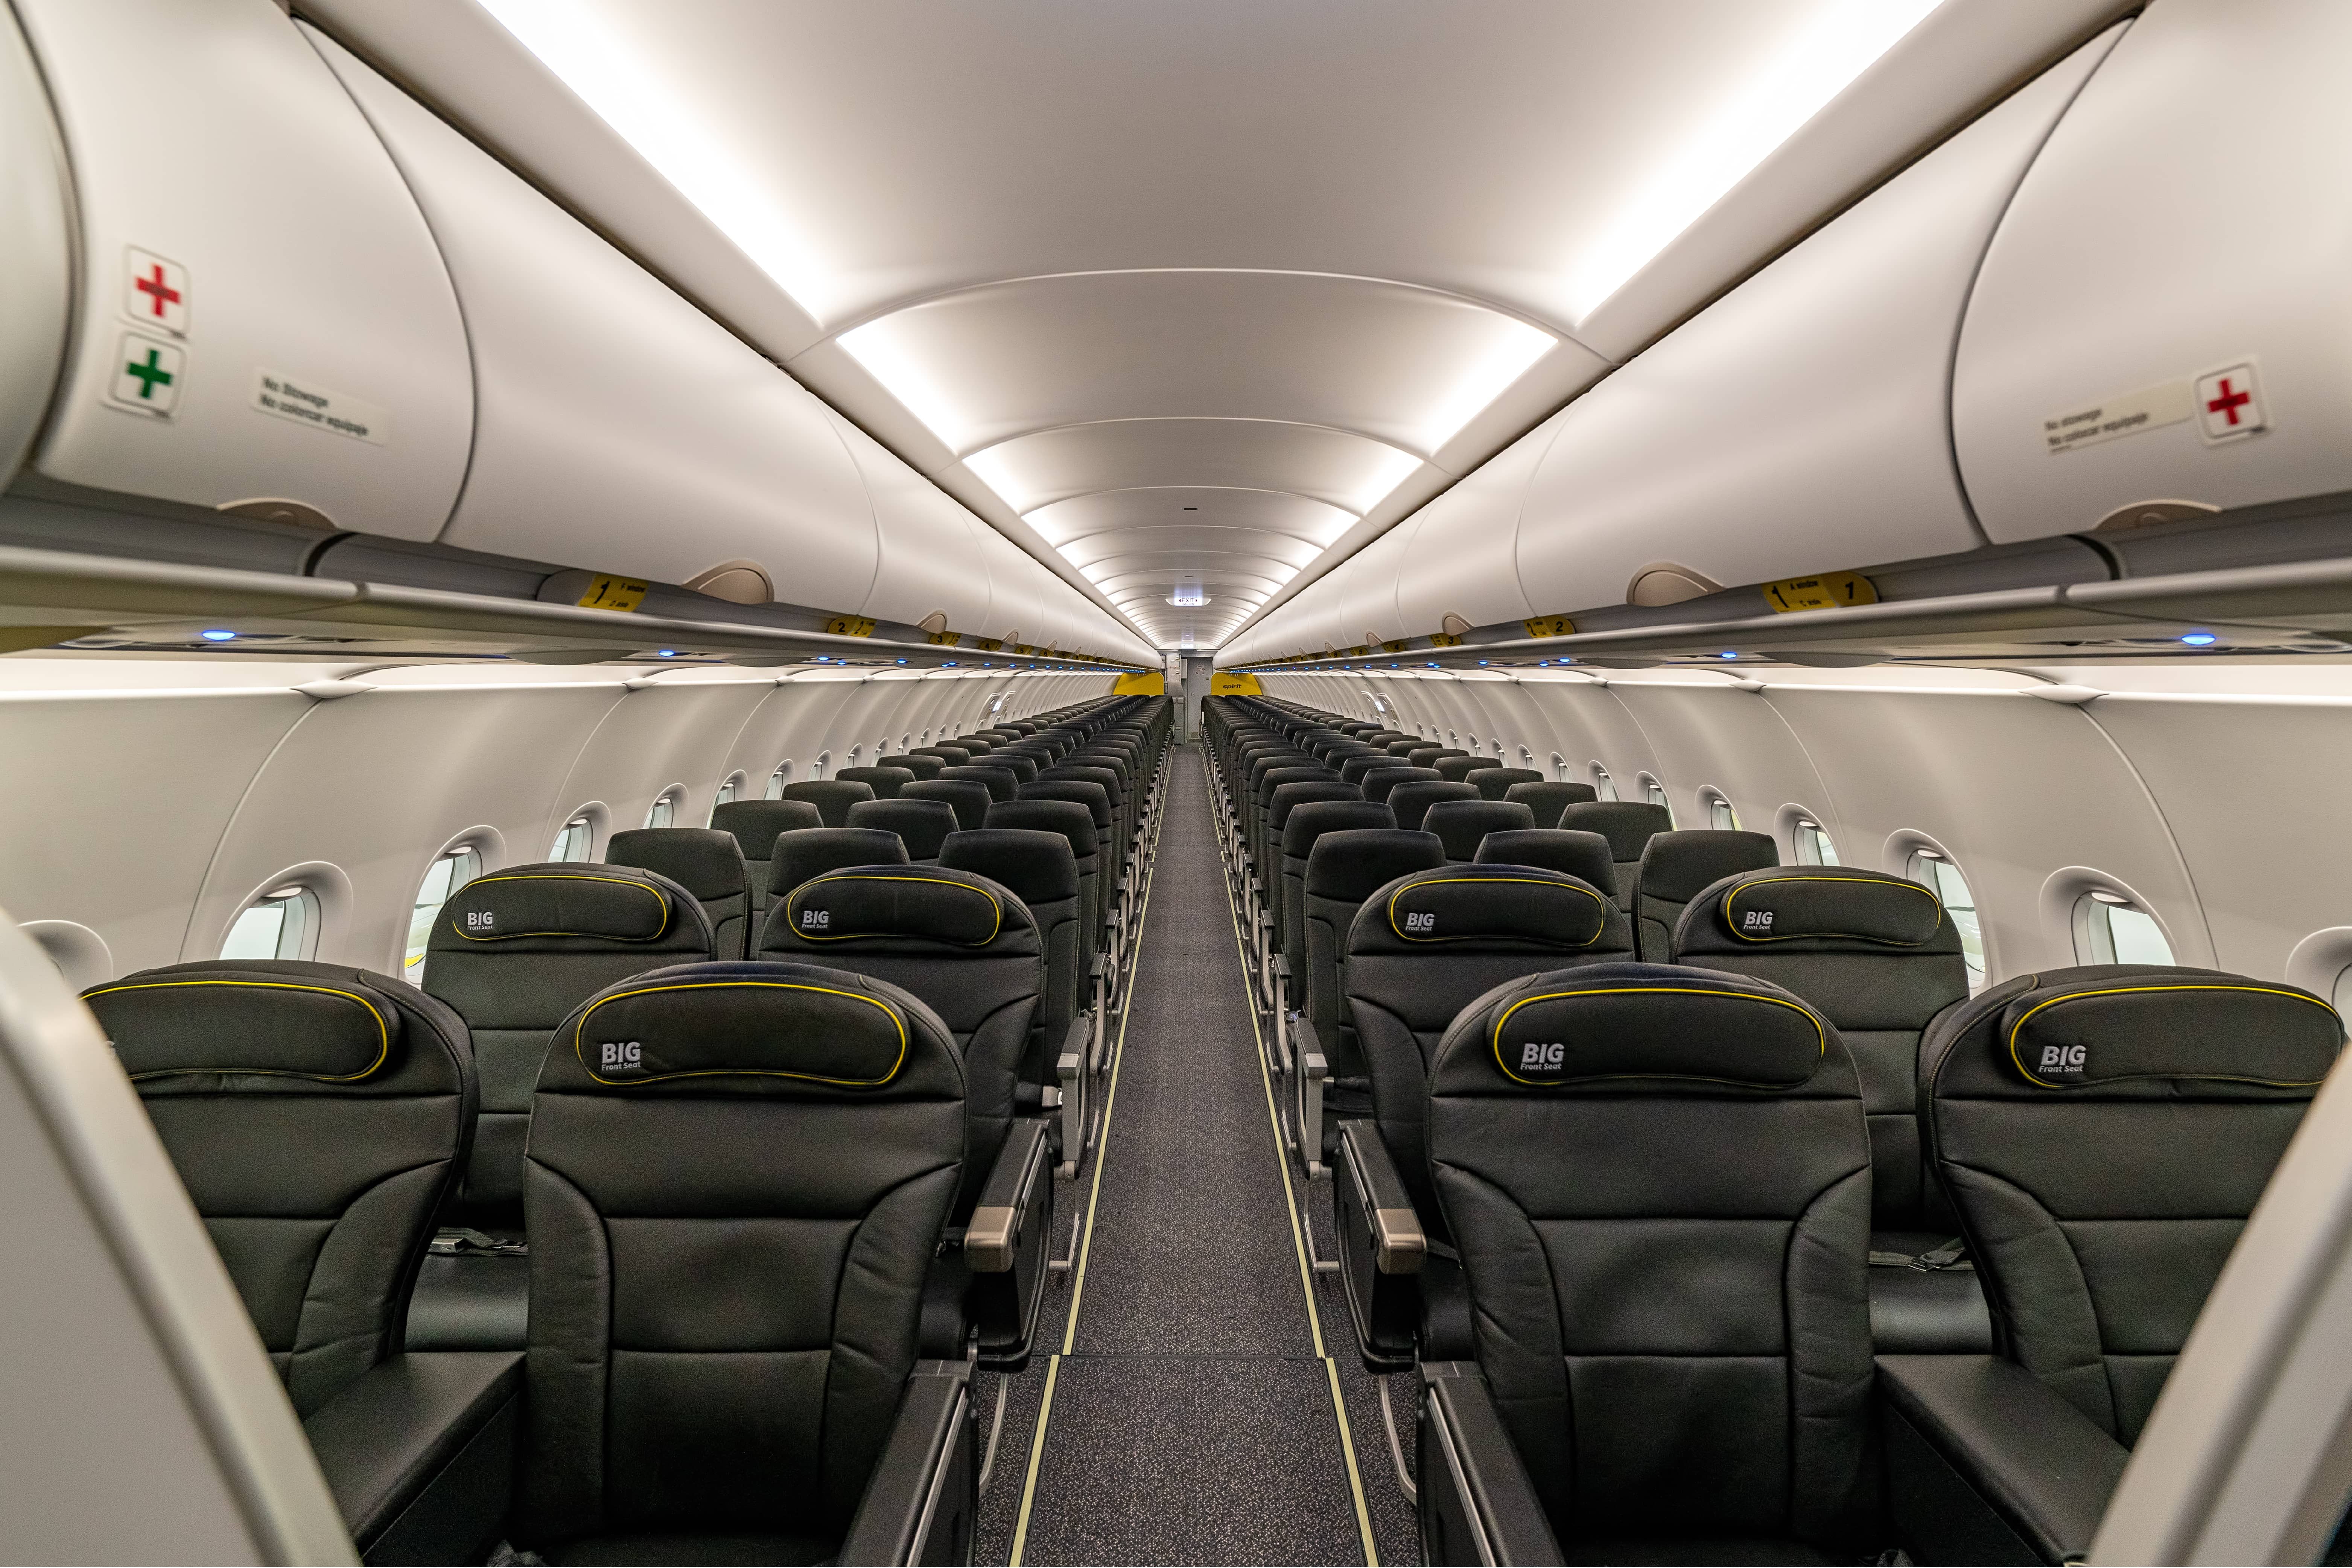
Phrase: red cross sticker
(157,295)
(2229,403)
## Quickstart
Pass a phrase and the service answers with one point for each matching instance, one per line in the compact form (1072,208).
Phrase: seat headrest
(1000,783)
(1548,797)
(801,857)
(1072,821)
(1411,799)
(921,903)
(1305,773)
(1037,866)
(1311,820)
(923,825)
(969,797)
(766,1029)
(1289,797)
(1092,796)
(1022,763)
(1628,824)
(1584,855)
(756,823)
(1681,865)
(1351,865)
(884,781)
(1835,905)
(317,1022)
(1628,1027)
(920,766)
(1462,824)
(1460,768)
(705,861)
(1377,783)
(1493,782)
(954,756)
(2083,1028)
(563,898)
(1497,904)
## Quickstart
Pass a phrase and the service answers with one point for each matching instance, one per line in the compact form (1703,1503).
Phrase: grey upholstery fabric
(1076,824)
(756,824)
(1377,783)
(1676,865)
(319,1175)
(832,797)
(2099,1212)
(921,766)
(1548,798)
(1584,855)
(884,780)
(1494,781)
(1627,825)
(1001,783)
(1668,1276)
(1462,824)
(969,798)
(1037,866)
(706,862)
(923,825)
(1411,799)
(812,853)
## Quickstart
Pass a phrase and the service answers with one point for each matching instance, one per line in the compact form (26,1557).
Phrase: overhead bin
(929,562)
(2162,314)
(261,315)
(618,428)
(1461,558)
(1802,423)
(35,252)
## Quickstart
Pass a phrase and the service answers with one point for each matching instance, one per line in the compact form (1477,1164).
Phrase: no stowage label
(306,403)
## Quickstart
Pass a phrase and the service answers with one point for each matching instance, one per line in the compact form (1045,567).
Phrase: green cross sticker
(147,374)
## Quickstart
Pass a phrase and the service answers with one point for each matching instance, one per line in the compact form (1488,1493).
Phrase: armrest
(1382,1247)
(1398,1243)
(1984,1455)
(1477,1503)
(993,1237)
(920,1503)
(1070,1073)
(391,1437)
(1005,1247)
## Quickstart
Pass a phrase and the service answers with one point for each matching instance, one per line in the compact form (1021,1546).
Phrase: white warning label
(307,403)
(2126,414)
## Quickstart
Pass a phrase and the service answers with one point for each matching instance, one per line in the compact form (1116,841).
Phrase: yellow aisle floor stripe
(1298,1246)
(1087,1234)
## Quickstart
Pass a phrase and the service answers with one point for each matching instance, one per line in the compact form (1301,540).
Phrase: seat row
(756,1205)
(1785,1244)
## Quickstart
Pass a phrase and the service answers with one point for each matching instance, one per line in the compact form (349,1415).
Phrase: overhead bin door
(1461,557)
(931,562)
(2163,314)
(1802,423)
(36,251)
(261,314)
(620,429)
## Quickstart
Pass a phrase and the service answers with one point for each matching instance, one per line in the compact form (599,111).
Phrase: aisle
(1191,1414)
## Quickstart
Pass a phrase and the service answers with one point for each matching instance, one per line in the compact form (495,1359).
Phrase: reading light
(217,636)
(665,653)
(1727,653)
(2194,639)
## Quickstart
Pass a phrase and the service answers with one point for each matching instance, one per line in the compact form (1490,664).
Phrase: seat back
(739,1175)
(1495,782)
(832,797)
(1345,866)
(1584,855)
(1411,799)
(1001,782)
(1022,761)
(923,825)
(968,798)
(810,855)
(964,944)
(1658,1182)
(1076,824)
(319,1118)
(1676,866)
(884,780)
(1875,954)
(513,951)
(1427,945)
(948,756)
(1356,767)
(1430,756)
(1628,825)
(1459,769)
(1463,824)
(1548,797)
(2104,1133)
(915,763)
(757,825)
(1377,783)
(705,861)
(1303,823)
(1036,865)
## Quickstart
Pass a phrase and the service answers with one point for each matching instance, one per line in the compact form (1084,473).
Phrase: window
(1720,814)
(1602,784)
(824,761)
(663,813)
(1655,794)
(1944,880)
(283,924)
(1812,843)
(2110,929)
(778,780)
(727,791)
(574,842)
(2339,995)
(443,877)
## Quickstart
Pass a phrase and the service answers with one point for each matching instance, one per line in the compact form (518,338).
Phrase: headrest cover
(610,903)
(1412,800)
(1584,855)
(1616,1021)
(705,861)
(885,781)
(920,825)
(226,1021)
(1072,821)
(1352,865)
(1289,797)
(802,857)
(756,823)
(1377,783)
(1828,901)
(1462,824)
(1310,820)
(2139,1027)
(1493,780)
(921,767)
(1680,866)
(1498,904)
(1036,867)
(950,907)
(1628,824)
(734,1020)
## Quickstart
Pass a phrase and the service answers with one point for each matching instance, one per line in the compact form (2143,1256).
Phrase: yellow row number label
(850,626)
(1550,626)
(612,593)
(1830,591)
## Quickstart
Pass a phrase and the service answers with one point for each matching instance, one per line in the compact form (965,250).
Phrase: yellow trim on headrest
(579,1042)
(2205,1077)
(1848,881)
(383,1029)
(1576,886)
(996,908)
(1497,1041)
(659,896)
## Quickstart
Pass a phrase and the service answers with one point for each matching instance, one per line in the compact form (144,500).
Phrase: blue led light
(217,636)
(1482,663)
(2201,639)
(1726,654)
(665,653)
(902,662)
(1543,664)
